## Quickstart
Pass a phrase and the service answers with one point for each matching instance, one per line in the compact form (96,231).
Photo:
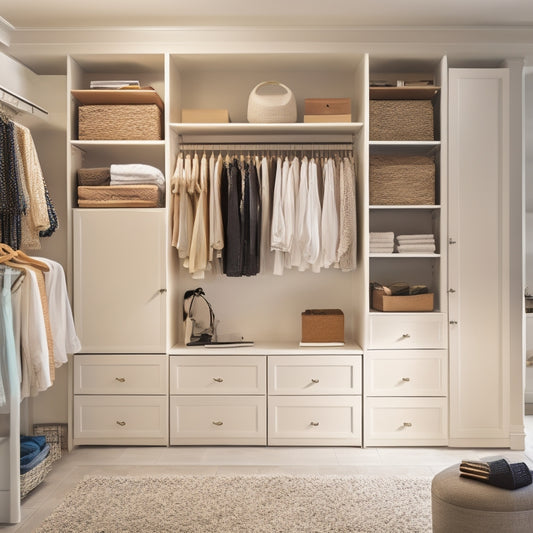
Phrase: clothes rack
(18,103)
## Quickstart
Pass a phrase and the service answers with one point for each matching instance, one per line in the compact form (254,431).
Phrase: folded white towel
(416,241)
(137,173)
(416,248)
(381,249)
(416,237)
(381,236)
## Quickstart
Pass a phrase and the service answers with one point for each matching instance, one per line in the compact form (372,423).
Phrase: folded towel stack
(416,244)
(381,242)
(499,473)
(137,174)
(33,450)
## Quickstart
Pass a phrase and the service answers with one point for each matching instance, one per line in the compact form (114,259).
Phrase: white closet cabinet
(119,282)
(479,257)
(406,364)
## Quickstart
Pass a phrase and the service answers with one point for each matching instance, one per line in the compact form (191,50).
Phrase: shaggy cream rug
(244,504)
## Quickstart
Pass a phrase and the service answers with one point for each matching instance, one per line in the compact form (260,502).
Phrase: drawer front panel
(406,373)
(120,419)
(406,422)
(217,374)
(314,375)
(218,420)
(120,374)
(314,420)
(408,331)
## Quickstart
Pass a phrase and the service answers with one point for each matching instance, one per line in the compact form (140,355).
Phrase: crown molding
(6,30)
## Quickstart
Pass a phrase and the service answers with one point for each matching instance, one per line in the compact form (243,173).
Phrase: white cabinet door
(478,256)
(119,280)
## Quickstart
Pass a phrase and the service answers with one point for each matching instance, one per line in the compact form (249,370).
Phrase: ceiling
(107,13)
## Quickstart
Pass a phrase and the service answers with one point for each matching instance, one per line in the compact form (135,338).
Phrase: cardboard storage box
(205,116)
(414,303)
(327,106)
(119,122)
(323,326)
(401,179)
(401,120)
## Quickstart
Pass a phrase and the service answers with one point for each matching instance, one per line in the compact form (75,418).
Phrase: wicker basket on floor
(54,438)
(35,476)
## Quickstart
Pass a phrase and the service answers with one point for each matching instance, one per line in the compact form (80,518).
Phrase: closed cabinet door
(119,280)
(478,254)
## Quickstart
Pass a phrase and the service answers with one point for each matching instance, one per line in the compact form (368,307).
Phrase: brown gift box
(323,325)
(414,302)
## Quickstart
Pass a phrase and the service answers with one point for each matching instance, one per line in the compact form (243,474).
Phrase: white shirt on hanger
(330,219)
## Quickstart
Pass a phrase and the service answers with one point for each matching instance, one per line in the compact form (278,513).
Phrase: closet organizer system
(135,381)
(37,330)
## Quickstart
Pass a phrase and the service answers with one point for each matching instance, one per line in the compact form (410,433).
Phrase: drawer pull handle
(314,380)
(407,424)
(406,379)
(217,423)
(121,423)
(314,424)
(406,336)
(218,380)
(120,380)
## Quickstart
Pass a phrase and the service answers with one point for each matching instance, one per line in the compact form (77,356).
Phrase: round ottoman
(461,505)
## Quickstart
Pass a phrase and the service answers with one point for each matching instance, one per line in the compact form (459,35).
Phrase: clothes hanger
(10,256)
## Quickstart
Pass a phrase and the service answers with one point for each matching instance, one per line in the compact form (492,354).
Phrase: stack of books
(328,110)
(115,84)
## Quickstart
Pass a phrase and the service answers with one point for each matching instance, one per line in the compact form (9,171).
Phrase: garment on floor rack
(42,323)
(27,211)
(247,210)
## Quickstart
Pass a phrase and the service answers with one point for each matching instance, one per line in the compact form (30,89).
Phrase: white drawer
(407,331)
(120,420)
(406,373)
(217,374)
(218,420)
(406,422)
(120,374)
(313,375)
(314,420)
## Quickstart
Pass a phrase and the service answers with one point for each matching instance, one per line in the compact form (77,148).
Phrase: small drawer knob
(121,423)
(217,423)
(406,336)
(406,379)
(407,424)
(120,380)
(218,380)
(314,424)
(314,380)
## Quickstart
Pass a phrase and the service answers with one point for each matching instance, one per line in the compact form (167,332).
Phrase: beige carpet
(244,504)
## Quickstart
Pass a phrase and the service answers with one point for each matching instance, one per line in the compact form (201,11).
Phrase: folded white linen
(417,241)
(137,173)
(415,237)
(381,236)
(381,249)
(416,248)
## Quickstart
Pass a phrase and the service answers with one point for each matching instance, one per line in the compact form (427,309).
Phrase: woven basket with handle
(271,108)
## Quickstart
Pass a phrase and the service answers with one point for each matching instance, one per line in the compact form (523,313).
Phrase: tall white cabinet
(478,252)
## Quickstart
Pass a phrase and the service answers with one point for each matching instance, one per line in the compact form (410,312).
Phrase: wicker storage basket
(143,195)
(401,120)
(35,476)
(119,122)
(414,303)
(271,108)
(54,438)
(402,180)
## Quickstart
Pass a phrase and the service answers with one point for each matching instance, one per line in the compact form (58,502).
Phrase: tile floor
(247,460)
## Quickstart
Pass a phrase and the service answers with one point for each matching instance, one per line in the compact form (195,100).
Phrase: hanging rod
(267,146)
(18,103)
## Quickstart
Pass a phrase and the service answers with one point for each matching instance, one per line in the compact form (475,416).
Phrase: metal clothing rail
(19,103)
(268,147)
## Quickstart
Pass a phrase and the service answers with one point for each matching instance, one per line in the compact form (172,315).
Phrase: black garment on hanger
(12,204)
(252,226)
(232,230)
